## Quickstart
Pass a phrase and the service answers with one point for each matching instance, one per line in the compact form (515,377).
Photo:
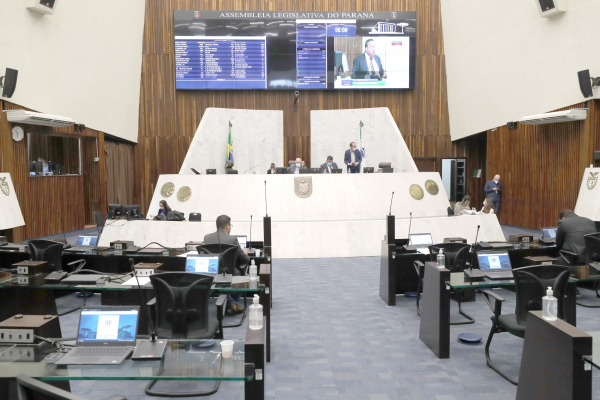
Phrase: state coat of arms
(592,180)
(303,186)
(4,186)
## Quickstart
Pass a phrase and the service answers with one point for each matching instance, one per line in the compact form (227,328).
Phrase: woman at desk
(461,206)
(488,206)
(163,210)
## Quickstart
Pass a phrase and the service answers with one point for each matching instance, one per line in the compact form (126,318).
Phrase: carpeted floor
(334,338)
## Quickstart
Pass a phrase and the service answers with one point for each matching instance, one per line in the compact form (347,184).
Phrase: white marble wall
(309,239)
(335,197)
(588,201)
(331,132)
(10,214)
(257,139)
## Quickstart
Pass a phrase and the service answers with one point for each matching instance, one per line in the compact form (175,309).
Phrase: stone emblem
(592,180)
(416,191)
(431,187)
(4,186)
(167,189)
(303,186)
(184,193)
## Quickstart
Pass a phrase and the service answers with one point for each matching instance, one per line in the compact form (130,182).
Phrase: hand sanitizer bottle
(441,259)
(252,269)
(549,306)
(256,314)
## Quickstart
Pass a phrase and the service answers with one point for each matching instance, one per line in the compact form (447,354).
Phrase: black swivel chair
(99,221)
(228,257)
(456,260)
(182,310)
(592,256)
(47,250)
(32,389)
(195,217)
(531,284)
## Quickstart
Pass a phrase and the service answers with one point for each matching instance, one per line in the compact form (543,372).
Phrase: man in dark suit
(328,165)
(352,159)
(571,230)
(295,168)
(272,169)
(492,190)
(368,65)
(222,235)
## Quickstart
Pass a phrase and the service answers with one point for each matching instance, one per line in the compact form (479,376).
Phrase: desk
(435,305)
(181,362)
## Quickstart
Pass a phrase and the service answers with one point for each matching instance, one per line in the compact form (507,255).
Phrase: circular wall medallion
(416,192)
(431,187)
(167,189)
(184,193)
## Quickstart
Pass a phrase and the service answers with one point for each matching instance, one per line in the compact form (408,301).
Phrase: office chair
(385,167)
(592,255)
(99,221)
(47,250)
(195,217)
(531,284)
(182,310)
(32,389)
(456,260)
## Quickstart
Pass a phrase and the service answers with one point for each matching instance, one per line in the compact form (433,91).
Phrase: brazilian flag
(230,148)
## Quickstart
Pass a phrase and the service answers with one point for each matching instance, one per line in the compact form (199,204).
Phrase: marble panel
(588,201)
(10,216)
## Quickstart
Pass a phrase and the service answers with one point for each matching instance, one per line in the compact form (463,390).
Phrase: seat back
(592,247)
(385,164)
(32,389)
(227,256)
(47,250)
(195,217)
(456,254)
(531,284)
(182,300)
(99,219)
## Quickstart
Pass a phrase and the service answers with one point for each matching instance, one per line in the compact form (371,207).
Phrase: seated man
(222,236)
(295,168)
(271,170)
(328,165)
(571,230)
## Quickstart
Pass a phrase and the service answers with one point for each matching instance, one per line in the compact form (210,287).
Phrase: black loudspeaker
(585,83)
(547,5)
(195,217)
(8,82)
(597,156)
(267,229)
(512,125)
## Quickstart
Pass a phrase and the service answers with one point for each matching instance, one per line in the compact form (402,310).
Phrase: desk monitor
(420,239)
(281,170)
(336,171)
(242,240)
(368,170)
(549,233)
(211,171)
(494,261)
(133,210)
(115,210)
(90,241)
(311,171)
(115,326)
(202,263)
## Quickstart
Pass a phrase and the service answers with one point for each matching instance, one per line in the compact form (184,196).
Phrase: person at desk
(488,206)
(329,165)
(222,235)
(368,65)
(570,233)
(461,206)
(352,159)
(295,168)
(492,190)
(162,210)
(271,170)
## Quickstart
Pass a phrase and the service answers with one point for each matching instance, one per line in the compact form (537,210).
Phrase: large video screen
(277,50)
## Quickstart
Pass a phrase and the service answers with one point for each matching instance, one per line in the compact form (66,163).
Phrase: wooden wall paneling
(92,186)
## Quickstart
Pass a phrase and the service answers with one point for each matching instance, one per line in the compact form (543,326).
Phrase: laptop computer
(105,336)
(207,264)
(242,240)
(549,235)
(84,243)
(495,264)
(421,241)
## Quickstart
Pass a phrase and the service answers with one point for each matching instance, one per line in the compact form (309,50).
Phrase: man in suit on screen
(368,65)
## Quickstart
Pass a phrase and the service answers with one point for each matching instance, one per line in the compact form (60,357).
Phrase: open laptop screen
(202,263)
(494,261)
(87,241)
(549,233)
(113,325)
(243,241)
(420,239)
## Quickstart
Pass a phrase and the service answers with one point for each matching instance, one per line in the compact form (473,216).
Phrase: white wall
(11,215)
(331,132)
(588,201)
(257,137)
(504,61)
(82,62)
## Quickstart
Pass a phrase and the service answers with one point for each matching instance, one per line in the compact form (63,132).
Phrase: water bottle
(253,282)
(441,259)
(252,269)
(256,314)
(549,306)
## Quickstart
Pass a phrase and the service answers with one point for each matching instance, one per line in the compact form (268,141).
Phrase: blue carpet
(334,338)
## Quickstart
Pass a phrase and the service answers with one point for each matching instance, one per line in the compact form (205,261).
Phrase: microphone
(154,348)
(266,210)
(409,225)
(251,168)
(250,242)
(391,203)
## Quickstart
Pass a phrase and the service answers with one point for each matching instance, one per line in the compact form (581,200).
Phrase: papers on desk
(423,250)
(144,280)
(189,253)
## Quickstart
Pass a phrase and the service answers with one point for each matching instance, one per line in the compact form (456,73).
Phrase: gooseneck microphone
(250,169)
(266,209)
(250,242)
(472,252)
(409,225)
(154,348)
(391,203)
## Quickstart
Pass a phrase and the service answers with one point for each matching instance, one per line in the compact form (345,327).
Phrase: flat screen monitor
(87,241)
(211,171)
(242,240)
(549,233)
(297,50)
(420,239)
(135,209)
(280,170)
(202,263)
(115,210)
(493,261)
(111,325)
